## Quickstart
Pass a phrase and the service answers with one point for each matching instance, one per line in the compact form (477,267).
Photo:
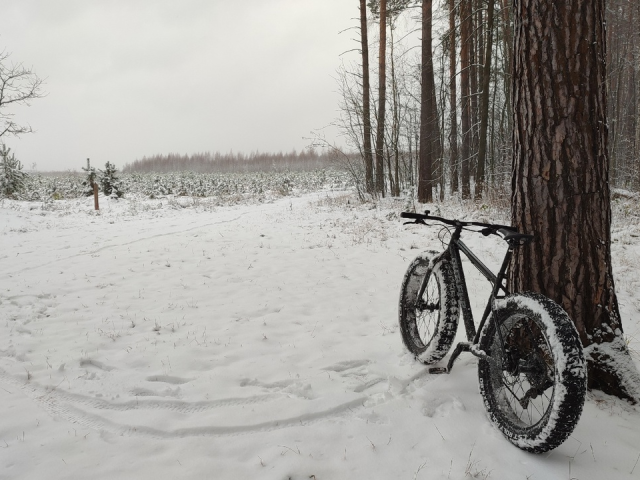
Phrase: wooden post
(94,185)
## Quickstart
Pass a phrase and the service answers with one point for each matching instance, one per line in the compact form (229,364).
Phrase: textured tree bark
(484,106)
(382,94)
(507,32)
(560,177)
(429,127)
(465,95)
(453,105)
(637,140)
(366,103)
(637,87)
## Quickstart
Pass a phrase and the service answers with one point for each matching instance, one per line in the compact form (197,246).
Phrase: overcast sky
(128,78)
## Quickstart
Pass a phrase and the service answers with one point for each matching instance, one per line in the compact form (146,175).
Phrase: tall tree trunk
(382,94)
(560,178)
(507,15)
(366,105)
(465,95)
(474,59)
(492,146)
(484,106)
(613,105)
(396,154)
(453,105)
(394,187)
(480,41)
(427,100)
(409,168)
(505,9)
(637,140)
(637,87)
(438,132)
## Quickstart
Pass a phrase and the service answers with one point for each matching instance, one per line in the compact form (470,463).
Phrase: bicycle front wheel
(534,380)
(429,321)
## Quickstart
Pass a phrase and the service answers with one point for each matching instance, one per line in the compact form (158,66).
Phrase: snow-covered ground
(173,338)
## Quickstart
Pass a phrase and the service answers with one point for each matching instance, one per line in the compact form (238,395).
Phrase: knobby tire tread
(435,347)
(565,408)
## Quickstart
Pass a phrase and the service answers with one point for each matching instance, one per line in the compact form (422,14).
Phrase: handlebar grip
(415,216)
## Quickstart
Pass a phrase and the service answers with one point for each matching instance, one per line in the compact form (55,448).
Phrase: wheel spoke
(428,312)
(428,324)
(518,382)
(526,383)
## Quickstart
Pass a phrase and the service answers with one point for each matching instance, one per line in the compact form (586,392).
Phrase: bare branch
(18,86)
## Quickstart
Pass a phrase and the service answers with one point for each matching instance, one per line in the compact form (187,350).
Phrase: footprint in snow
(442,407)
(89,362)
(168,379)
(291,387)
(354,372)
(346,365)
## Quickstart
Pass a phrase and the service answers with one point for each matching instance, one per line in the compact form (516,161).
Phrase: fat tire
(553,326)
(429,341)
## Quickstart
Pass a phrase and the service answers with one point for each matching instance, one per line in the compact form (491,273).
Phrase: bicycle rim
(523,379)
(427,310)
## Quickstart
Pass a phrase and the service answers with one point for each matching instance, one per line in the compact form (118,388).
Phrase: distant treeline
(306,160)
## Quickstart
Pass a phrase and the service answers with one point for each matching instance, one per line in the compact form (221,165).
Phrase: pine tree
(11,175)
(90,179)
(109,182)
(561,178)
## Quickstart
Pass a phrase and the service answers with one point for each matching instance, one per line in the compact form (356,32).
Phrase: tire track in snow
(93,252)
(96,422)
(38,393)
(68,406)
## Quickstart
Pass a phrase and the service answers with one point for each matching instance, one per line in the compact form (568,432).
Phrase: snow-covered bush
(12,178)
(89,180)
(225,187)
(109,182)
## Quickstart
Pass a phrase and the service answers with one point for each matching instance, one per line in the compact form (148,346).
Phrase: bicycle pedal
(438,370)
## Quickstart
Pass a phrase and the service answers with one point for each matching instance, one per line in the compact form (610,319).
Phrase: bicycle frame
(456,245)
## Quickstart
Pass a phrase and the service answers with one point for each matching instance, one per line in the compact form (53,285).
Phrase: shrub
(109,181)
(12,177)
(89,180)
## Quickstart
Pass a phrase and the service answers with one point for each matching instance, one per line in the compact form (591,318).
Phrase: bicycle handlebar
(508,233)
(454,223)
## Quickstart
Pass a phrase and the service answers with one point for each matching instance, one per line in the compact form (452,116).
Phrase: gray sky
(128,78)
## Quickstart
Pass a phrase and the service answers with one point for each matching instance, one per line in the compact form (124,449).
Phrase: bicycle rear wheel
(429,323)
(534,387)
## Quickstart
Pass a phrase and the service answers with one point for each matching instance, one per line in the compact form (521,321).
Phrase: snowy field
(173,338)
